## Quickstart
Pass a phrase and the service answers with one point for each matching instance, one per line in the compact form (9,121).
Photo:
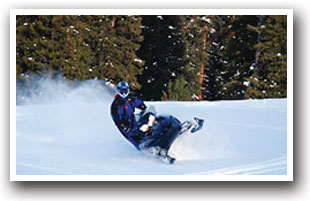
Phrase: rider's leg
(166,140)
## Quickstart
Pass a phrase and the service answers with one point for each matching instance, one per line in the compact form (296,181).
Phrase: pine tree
(269,79)
(239,54)
(179,90)
(163,51)
(173,52)
(33,47)
(80,47)
(195,30)
(215,67)
(70,54)
(128,39)
(114,41)
(52,43)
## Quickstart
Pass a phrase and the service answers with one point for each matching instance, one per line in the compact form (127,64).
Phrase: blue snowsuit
(163,133)
(122,112)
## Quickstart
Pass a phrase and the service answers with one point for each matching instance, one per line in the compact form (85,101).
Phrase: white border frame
(287,12)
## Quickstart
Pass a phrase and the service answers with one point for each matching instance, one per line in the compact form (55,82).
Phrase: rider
(151,132)
(122,112)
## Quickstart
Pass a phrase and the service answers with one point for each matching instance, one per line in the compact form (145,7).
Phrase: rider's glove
(144,128)
(151,120)
(126,129)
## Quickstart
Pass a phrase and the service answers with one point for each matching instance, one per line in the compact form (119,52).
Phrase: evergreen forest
(162,57)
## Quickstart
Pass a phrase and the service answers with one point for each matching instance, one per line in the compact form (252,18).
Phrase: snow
(72,133)
(204,18)
(246,83)
(160,17)
(171,27)
(138,60)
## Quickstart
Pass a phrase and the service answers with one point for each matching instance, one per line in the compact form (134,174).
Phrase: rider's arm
(119,122)
(139,103)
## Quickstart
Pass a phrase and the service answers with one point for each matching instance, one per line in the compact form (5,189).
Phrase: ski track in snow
(77,136)
(263,167)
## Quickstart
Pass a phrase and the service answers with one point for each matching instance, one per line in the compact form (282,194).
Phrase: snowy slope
(74,134)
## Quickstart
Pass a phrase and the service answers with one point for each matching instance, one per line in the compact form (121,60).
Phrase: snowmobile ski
(159,153)
(193,127)
(198,126)
(163,153)
(186,125)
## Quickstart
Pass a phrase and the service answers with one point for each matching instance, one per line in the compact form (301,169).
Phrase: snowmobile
(160,131)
